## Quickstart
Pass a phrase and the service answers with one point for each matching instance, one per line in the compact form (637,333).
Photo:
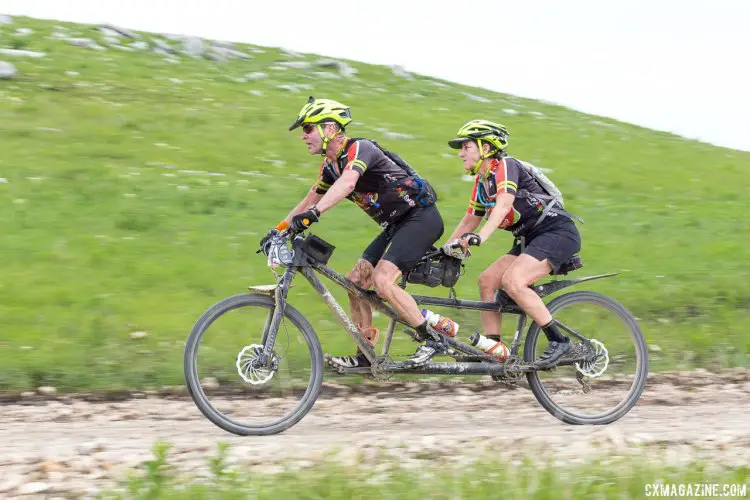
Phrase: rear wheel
(225,375)
(609,382)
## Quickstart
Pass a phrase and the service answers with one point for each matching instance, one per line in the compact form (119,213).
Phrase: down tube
(334,306)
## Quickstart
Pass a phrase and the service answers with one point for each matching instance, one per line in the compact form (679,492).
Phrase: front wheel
(229,384)
(605,385)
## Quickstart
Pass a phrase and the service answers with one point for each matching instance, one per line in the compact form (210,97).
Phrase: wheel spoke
(605,377)
(225,347)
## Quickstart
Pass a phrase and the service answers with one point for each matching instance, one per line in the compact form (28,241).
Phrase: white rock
(193,46)
(477,98)
(210,383)
(10,482)
(33,488)
(290,88)
(257,75)
(91,447)
(112,30)
(141,45)
(7,71)
(47,390)
(400,71)
(225,52)
(291,53)
(86,43)
(24,31)
(5,19)
(326,74)
(398,135)
(22,53)
(164,46)
(509,111)
(297,64)
(138,335)
(347,71)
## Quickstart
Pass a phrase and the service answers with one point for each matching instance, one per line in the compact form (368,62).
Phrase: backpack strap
(426,195)
(550,205)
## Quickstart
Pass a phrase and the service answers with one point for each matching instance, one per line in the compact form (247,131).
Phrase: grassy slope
(106,231)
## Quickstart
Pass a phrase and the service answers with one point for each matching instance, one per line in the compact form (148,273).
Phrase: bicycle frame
(309,268)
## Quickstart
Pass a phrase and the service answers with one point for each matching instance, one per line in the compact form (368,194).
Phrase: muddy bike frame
(469,360)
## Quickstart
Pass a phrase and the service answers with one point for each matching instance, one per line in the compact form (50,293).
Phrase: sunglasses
(307,128)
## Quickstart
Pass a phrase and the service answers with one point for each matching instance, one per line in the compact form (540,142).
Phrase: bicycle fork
(276,315)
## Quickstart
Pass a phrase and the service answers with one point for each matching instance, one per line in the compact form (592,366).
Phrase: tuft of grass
(137,190)
(622,477)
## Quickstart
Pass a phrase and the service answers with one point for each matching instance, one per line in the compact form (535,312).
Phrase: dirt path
(59,445)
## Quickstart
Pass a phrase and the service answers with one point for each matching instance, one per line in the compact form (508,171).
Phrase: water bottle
(492,347)
(442,324)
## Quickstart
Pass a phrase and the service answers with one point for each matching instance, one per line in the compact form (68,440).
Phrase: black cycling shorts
(557,244)
(408,241)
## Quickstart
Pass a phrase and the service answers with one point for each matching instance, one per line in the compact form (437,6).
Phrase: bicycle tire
(639,381)
(198,394)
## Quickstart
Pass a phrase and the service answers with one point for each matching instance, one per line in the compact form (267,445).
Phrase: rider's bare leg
(489,282)
(361,311)
(361,315)
(525,271)
(385,276)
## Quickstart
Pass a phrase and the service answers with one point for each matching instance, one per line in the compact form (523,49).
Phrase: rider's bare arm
(310,199)
(339,190)
(503,204)
(467,225)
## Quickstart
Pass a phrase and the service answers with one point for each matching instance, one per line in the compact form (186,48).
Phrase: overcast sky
(673,65)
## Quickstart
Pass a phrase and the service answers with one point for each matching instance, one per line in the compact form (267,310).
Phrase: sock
(422,330)
(552,333)
(496,338)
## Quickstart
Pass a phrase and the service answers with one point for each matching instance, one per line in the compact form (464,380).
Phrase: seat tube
(389,337)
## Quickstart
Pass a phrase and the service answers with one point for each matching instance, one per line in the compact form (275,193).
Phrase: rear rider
(510,198)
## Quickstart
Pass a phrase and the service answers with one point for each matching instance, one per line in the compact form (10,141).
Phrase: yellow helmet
(483,130)
(322,111)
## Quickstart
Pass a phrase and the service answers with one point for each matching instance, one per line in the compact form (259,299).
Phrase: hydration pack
(427,195)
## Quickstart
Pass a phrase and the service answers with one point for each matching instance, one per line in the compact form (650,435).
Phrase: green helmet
(323,111)
(482,130)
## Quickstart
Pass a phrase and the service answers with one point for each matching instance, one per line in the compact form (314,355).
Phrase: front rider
(361,172)
(511,199)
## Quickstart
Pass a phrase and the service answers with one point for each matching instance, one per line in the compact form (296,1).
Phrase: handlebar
(472,239)
(287,234)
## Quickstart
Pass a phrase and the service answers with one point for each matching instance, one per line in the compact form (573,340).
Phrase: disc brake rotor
(249,366)
(598,363)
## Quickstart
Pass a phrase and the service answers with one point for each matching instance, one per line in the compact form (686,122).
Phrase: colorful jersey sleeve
(325,179)
(506,176)
(476,208)
(360,155)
